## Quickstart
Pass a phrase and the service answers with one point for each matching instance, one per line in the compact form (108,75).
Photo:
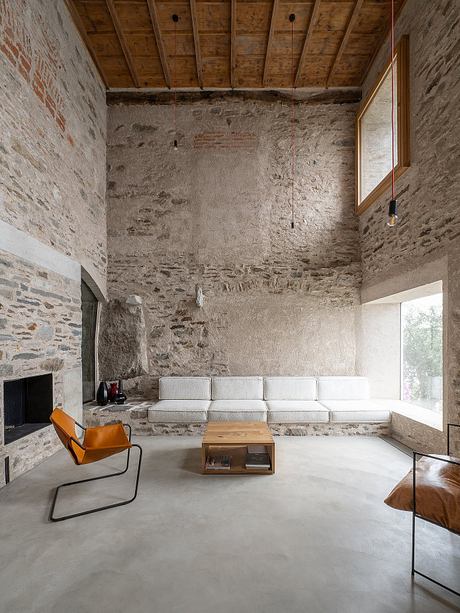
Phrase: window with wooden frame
(373,131)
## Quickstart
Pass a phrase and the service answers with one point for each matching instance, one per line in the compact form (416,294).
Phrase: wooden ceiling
(232,43)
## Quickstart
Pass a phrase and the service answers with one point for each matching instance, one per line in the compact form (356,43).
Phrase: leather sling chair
(431,491)
(98,443)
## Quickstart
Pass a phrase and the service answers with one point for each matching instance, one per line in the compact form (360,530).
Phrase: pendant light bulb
(176,148)
(392,214)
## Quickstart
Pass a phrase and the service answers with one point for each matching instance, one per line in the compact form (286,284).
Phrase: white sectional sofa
(293,400)
(183,400)
(237,399)
(347,400)
(278,400)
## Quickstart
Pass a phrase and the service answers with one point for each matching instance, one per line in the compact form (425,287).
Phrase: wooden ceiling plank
(160,44)
(270,41)
(82,31)
(381,42)
(350,25)
(196,41)
(124,45)
(233,44)
(311,26)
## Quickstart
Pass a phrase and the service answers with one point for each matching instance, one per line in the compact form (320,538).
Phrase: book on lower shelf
(257,458)
(218,463)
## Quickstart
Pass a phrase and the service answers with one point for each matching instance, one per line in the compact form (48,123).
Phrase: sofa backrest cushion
(343,388)
(185,388)
(237,388)
(290,388)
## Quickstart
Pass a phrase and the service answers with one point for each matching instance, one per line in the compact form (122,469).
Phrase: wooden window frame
(403,123)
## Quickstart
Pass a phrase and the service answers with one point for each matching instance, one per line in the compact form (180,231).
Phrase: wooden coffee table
(232,439)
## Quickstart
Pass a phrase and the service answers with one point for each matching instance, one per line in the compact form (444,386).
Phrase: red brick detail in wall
(37,61)
(225,140)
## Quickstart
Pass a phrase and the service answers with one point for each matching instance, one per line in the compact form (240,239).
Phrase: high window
(421,342)
(373,131)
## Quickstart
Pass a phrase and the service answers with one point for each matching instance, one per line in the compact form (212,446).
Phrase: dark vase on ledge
(102,395)
(120,396)
(113,391)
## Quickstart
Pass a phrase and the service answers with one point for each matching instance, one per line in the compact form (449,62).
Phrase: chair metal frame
(116,474)
(415,515)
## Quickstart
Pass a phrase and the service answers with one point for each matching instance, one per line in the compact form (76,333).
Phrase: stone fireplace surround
(40,330)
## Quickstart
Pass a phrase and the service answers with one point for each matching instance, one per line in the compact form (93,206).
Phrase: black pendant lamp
(393,206)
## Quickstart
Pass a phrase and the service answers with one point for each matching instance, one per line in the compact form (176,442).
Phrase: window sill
(419,414)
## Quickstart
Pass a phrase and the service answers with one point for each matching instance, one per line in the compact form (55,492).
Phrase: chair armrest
(80,426)
(74,440)
(435,457)
(449,426)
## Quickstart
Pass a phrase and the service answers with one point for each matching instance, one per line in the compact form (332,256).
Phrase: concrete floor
(316,537)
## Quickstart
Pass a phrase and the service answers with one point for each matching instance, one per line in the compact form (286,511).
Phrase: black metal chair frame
(416,515)
(109,506)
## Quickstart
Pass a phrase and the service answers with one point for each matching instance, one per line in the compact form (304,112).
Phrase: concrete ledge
(30,249)
(419,414)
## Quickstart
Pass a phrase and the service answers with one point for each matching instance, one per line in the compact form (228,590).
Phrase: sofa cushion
(179,411)
(296,411)
(289,388)
(343,388)
(237,410)
(237,388)
(356,411)
(185,388)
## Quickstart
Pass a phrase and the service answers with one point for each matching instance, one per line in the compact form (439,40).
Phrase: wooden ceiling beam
(350,25)
(123,44)
(311,26)
(271,34)
(86,39)
(196,42)
(159,40)
(233,44)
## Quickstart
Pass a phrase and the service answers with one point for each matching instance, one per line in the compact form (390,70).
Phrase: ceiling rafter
(271,34)
(233,44)
(350,25)
(236,43)
(124,45)
(311,26)
(86,39)
(196,42)
(159,40)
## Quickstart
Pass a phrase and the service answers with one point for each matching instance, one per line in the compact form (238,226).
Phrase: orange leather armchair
(98,443)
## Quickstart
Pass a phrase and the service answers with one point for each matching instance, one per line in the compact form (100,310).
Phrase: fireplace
(28,404)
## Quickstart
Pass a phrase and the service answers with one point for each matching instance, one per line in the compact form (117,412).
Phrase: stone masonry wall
(429,205)
(216,213)
(52,187)
(52,133)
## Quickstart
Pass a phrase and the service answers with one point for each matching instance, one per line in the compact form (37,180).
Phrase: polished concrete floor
(315,537)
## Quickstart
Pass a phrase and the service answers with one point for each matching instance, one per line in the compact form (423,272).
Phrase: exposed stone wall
(216,213)
(428,198)
(52,188)
(53,133)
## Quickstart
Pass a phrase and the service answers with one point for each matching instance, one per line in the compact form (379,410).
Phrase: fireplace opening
(28,404)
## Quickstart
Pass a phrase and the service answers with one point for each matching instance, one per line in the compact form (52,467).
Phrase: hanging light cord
(293,143)
(392,101)
(174,83)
